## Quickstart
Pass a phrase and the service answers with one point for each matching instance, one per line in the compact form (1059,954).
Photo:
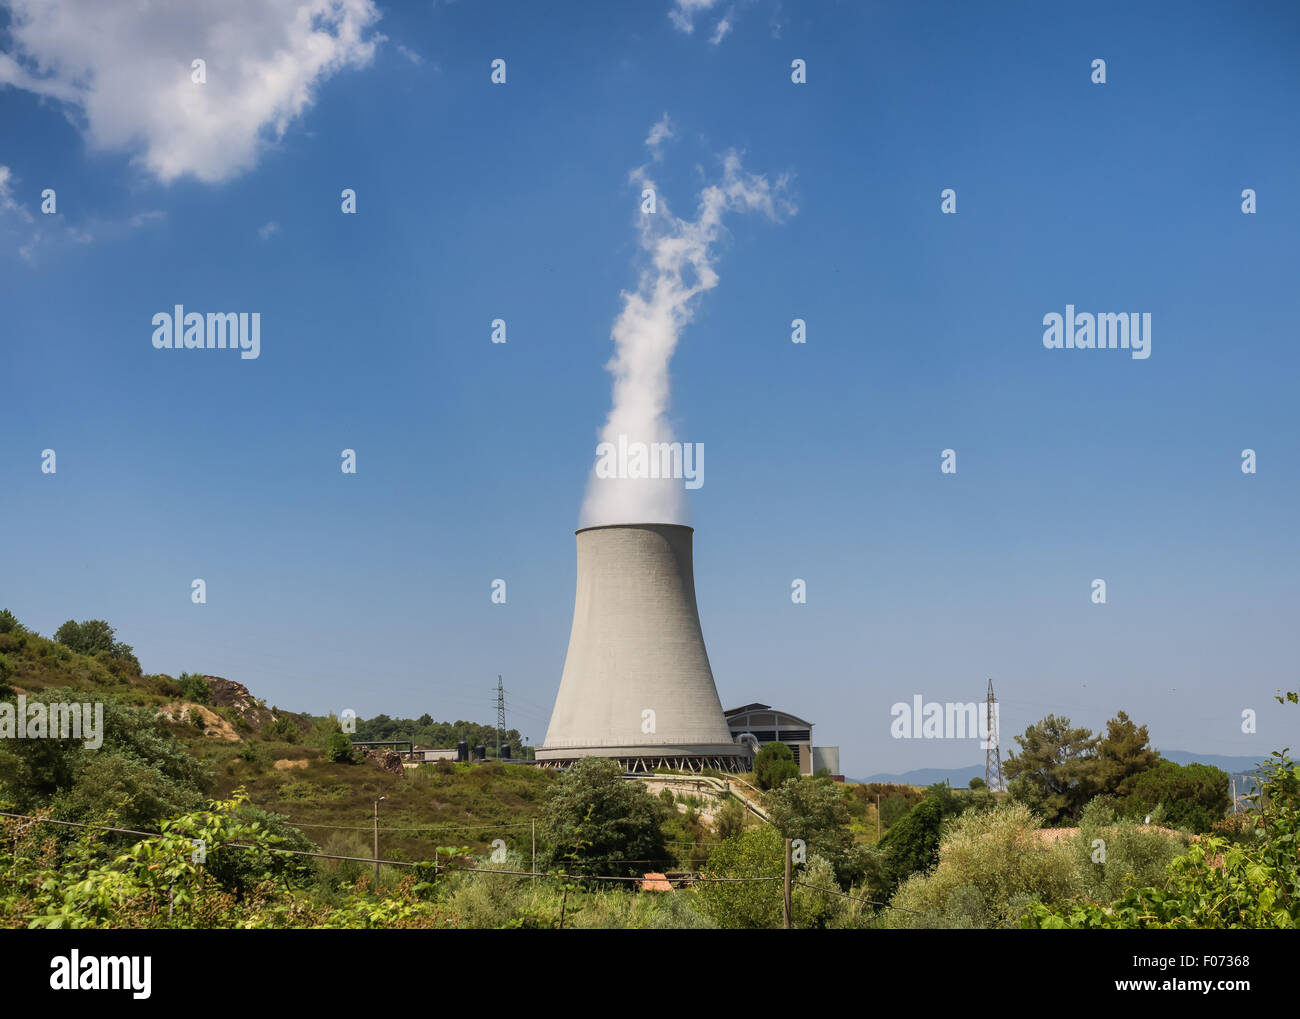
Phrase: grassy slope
(315,792)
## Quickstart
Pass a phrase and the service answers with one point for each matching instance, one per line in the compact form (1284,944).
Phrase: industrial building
(761,724)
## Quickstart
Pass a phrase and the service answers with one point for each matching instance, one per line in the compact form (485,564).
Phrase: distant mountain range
(962,776)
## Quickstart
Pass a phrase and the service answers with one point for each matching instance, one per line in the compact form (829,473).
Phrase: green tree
(339,750)
(977,783)
(1054,773)
(815,811)
(284,729)
(1122,752)
(730,819)
(9,623)
(1194,796)
(601,823)
(912,843)
(755,853)
(139,774)
(195,687)
(814,903)
(774,765)
(1217,883)
(94,637)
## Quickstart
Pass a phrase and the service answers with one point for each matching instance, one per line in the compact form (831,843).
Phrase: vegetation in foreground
(212,771)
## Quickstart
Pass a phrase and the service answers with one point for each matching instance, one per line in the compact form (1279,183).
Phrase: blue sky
(479,201)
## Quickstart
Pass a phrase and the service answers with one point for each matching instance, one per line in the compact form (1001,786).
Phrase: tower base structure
(730,758)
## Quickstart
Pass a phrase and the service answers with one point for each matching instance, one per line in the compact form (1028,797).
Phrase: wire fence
(436,865)
(683,878)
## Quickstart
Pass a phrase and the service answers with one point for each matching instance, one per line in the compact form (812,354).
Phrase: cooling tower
(637,685)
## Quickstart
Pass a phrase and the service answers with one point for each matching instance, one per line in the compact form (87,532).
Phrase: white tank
(637,684)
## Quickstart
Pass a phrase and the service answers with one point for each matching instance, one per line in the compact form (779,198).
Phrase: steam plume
(645,334)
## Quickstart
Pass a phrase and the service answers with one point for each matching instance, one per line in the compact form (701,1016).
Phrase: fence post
(785,898)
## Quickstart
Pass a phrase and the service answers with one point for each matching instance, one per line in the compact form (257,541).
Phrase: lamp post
(376,854)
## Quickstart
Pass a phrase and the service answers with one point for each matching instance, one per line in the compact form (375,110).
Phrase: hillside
(279,757)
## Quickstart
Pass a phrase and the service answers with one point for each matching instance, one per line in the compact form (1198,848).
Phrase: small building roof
(764,714)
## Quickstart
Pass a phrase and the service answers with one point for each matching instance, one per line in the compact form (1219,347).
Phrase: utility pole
(377,840)
(785,897)
(877,817)
(501,716)
(992,751)
(534,851)
(1234,794)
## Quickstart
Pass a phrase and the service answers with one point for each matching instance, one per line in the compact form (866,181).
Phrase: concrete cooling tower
(637,686)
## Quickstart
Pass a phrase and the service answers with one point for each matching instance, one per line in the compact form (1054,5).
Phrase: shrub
(339,750)
(1194,796)
(912,843)
(991,865)
(814,810)
(817,909)
(283,729)
(1115,854)
(194,687)
(756,853)
(774,765)
(95,637)
(594,814)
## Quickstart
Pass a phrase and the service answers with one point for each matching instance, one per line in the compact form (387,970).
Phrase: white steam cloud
(645,334)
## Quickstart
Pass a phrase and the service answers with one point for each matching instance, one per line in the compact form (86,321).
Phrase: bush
(283,729)
(194,687)
(992,864)
(912,843)
(758,852)
(814,810)
(1194,796)
(339,750)
(95,637)
(594,814)
(729,820)
(774,765)
(1129,854)
(817,909)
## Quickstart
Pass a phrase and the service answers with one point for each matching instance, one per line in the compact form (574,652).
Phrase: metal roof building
(762,724)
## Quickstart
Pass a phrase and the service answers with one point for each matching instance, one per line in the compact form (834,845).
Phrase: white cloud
(660,133)
(721,29)
(123,71)
(8,203)
(410,54)
(268,230)
(32,234)
(684,12)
